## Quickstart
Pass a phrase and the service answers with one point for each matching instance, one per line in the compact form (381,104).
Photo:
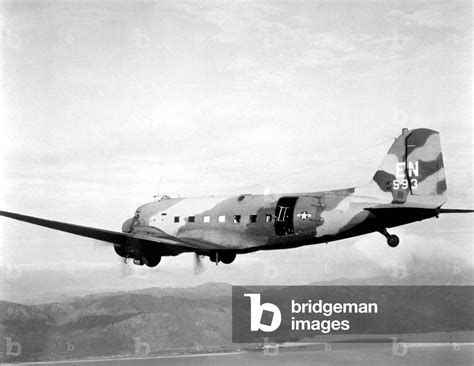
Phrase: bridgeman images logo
(288,313)
(256,313)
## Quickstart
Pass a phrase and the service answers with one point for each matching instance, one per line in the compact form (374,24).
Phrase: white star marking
(304,215)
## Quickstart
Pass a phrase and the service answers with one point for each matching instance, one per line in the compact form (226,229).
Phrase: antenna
(157,195)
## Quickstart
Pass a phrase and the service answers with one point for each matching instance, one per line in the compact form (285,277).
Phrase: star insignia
(304,215)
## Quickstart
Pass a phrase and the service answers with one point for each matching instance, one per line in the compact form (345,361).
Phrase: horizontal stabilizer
(395,215)
(455,210)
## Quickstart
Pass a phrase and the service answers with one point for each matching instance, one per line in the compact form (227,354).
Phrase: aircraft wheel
(138,262)
(152,261)
(393,241)
(227,258)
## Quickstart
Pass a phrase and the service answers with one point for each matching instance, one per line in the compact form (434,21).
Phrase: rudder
(413,169)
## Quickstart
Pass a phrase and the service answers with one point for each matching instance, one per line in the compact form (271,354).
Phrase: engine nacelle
(121,251)
(150,259)
(128,225)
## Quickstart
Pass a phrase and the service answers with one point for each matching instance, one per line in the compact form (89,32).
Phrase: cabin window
(268,218)
(176,219)
(163,214)
(236,219)
(206,219)
(191,219)
(253,218)
(221,218)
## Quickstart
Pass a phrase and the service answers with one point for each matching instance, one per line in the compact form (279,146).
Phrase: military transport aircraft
(409,186)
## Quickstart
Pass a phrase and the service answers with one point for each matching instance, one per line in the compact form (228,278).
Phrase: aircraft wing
(162,242)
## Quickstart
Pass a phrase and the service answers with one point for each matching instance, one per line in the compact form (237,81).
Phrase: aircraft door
(284,212)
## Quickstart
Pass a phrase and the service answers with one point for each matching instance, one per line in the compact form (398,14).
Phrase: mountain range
(152,321)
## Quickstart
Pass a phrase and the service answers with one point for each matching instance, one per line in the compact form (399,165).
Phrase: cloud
(442,253)
(454,14)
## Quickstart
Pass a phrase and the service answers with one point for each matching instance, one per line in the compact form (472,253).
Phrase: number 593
(397,184)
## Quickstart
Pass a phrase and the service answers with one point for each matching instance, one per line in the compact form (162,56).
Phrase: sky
(104,104)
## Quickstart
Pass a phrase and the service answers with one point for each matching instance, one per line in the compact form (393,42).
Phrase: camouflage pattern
(408,186)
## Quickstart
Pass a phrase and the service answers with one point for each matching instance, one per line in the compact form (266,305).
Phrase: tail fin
(413,169)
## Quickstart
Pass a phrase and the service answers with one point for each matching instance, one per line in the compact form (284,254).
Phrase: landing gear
(150,258)
(392,240)
(214,258)
(227,258)
(224,257)
(138,262)
(152,261)
(149,261)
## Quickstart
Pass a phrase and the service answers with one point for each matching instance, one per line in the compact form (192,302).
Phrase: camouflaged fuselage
(248,222)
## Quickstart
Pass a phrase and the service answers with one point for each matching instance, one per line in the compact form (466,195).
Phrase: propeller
(198,265)
(122,268)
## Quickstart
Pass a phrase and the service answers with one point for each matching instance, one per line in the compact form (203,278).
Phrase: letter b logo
(256,312)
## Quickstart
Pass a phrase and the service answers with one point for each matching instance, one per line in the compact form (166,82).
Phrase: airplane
(409,186)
